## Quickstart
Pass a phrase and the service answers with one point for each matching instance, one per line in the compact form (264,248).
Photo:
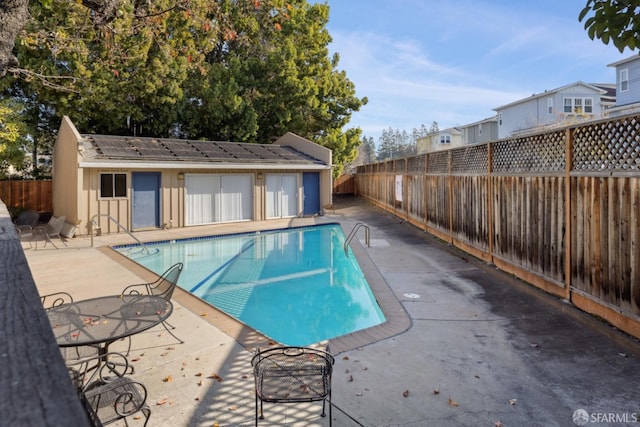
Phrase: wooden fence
(35,195)
(560,210)
(345,184)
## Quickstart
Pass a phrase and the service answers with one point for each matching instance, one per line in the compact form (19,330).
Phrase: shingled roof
(127,148)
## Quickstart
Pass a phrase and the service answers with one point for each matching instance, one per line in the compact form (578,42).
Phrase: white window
(624,80)
(445,138)
(500,119)
(578,105)
(113,185)
(588,105)
(550,106)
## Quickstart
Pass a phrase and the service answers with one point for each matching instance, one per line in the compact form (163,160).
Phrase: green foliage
(12,136)
(616,21)
(242,70)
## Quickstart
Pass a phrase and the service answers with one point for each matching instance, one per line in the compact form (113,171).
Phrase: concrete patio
(466,345)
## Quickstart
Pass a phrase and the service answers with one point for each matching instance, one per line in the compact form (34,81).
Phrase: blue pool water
(296,286)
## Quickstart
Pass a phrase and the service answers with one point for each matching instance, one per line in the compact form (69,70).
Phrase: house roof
(550,92)
(624,61)
(108,149)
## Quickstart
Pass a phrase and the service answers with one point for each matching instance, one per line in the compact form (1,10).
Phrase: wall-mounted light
(180,176)
(259,175)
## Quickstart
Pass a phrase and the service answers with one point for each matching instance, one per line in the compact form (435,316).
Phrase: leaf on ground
(498,424)
(436,391)
(199,374)
(162,401)
(165,353)
(215,376)
(405,393)
(167,379)
(203,315)
(233,408)
(512,401)
(345,358)
(197,398)
(135,359)
(200,383)
(453,403)
(171,348)
(350,379)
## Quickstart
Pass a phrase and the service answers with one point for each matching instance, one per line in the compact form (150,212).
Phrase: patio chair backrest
(54,226)
(29,218)
(166,284)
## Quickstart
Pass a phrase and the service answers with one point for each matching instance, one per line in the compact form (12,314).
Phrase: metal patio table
(101,321)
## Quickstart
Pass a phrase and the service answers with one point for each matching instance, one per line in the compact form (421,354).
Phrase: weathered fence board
(35,195)
(559,209)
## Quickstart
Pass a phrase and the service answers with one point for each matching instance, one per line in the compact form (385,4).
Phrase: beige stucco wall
(319,152)
(66,180)
(76,183)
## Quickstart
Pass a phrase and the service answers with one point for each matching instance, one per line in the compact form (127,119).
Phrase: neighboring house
(565,105)
(440,140)
(485,130)
(627,86)
(150,183)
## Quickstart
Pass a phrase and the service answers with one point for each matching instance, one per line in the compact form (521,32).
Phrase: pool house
(139,183)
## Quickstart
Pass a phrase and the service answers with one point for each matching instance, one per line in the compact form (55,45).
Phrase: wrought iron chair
(70,354)
(25,224)
(162,287)
(106,392)
(51,229)
(292,374)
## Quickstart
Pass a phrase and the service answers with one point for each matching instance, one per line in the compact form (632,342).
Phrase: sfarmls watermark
(582,417)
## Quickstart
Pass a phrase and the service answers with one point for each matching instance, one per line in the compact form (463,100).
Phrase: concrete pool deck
(466,345)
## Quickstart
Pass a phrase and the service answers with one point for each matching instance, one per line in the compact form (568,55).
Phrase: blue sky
(419,61)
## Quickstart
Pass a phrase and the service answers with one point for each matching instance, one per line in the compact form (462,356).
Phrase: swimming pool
(297,286)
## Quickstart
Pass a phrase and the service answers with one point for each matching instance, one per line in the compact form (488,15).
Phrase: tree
(12,137)
(241,70)
(616,21)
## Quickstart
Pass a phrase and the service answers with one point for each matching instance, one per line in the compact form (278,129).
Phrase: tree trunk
(13,15)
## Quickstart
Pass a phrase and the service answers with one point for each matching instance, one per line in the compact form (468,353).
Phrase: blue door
(311,192)
(146,200)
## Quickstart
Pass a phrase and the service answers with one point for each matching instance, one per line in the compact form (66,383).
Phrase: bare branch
(47,81)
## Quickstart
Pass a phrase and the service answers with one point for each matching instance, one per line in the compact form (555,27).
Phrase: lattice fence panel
(536,153)
(472,159)
(398,165)
(611,145)
(416,164)
(438,162)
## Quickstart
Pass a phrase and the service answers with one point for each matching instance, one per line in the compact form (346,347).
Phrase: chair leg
(169,324)
(172,334)
(47,239)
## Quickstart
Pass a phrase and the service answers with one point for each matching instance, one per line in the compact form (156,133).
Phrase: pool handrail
(94,225)
(356,227)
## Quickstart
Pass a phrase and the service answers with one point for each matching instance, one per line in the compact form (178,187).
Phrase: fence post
(490,201)
(568,136)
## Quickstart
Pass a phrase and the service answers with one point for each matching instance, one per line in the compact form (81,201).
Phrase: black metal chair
(292,374)
(106,392)
(163,287)
(68,353)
